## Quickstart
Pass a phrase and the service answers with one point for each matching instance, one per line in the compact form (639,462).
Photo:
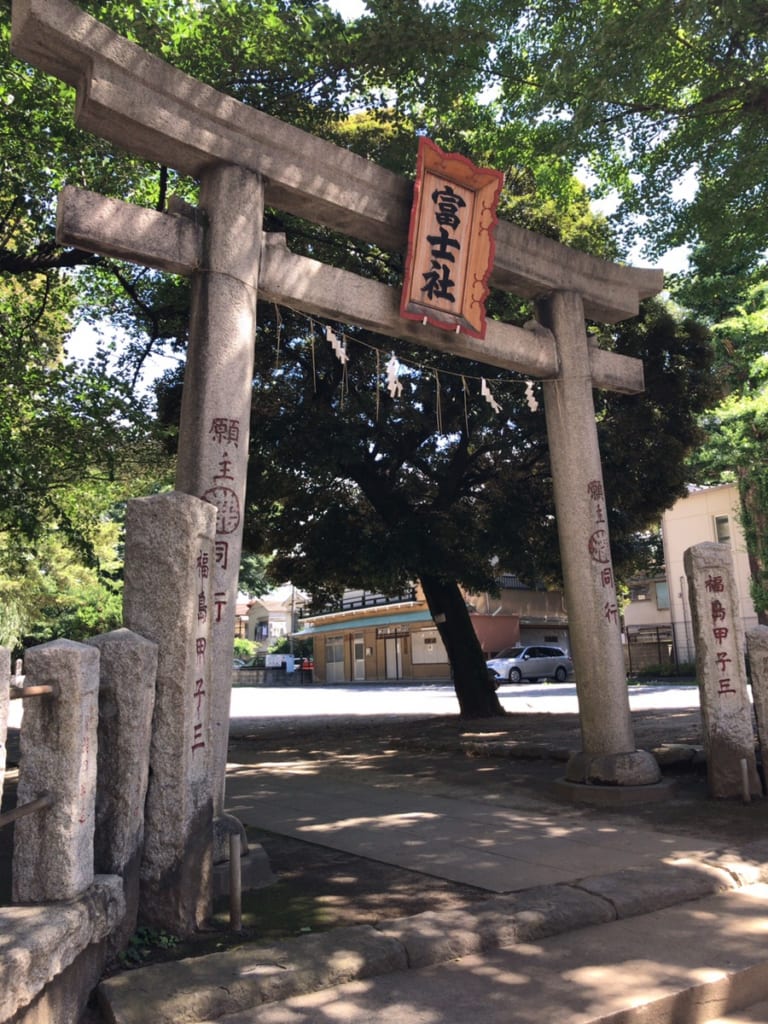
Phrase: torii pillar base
(637,768)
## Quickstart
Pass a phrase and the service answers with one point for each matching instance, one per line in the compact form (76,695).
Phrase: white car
(538,661)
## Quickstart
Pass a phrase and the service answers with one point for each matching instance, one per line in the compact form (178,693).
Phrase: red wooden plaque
(450,242)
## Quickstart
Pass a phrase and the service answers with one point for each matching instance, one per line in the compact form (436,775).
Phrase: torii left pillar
(216,406)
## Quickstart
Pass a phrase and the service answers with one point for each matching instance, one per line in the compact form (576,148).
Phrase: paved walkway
(589,916)
(501,848)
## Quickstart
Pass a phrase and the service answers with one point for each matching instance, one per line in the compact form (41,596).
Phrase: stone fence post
(729,735)
(5,698)
(168,598)
(128,671)
(757,648)
(53,848)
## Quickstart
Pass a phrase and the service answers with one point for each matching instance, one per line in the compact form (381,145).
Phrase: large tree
(736,428)
(351,485)
(667,103)
(438,467)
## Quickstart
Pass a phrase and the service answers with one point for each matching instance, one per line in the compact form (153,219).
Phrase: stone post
(53,848)
(5,698)
(729,735)
(128,670)
(216,404)
(757,648)
(608,754)
(168,599)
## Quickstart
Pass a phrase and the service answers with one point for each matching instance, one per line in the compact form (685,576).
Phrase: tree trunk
(754,521)
(476,695)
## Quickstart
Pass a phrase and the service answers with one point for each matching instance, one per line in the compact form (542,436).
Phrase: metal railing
(20,692)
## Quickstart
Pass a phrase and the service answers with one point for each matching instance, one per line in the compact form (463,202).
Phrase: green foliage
(299,648)
(143,943)
(432,484)
(254,569)
(244,648)
(736,428)
(646,93)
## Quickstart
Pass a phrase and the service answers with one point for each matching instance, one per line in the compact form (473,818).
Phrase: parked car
(251,663)
(531,663)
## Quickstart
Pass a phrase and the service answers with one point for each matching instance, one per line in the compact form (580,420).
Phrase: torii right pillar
(608,756)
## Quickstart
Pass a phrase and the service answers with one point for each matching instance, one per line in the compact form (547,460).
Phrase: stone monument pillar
(5,696)
(757,648)
(215,412)
(53,848)
(168,598)
(729,735)
(608,753)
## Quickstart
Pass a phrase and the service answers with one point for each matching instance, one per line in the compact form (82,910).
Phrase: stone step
(756,1014)
(699,961)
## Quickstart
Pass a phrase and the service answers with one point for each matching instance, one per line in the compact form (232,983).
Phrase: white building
(706,514)
(274,614)
(657,620)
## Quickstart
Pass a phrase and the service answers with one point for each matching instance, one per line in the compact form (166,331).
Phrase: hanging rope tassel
(465,391)
(279,332)
(438,406)
(378,383)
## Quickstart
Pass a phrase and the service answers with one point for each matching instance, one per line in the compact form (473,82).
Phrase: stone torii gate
(244,159)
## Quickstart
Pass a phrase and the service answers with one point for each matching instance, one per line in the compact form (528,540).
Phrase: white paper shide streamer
(338,346)
(394,385)
(485,391)
(530,398)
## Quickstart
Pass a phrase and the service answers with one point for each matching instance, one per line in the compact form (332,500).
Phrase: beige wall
(417,653)
(692,521)
(647,612)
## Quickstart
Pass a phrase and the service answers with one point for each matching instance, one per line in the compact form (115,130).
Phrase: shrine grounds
(520,758)
(516,760)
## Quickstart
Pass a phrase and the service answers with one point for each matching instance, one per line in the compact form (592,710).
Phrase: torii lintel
(146,106)
(173,243)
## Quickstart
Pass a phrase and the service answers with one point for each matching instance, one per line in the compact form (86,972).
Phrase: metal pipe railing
(45,800)
(42,803)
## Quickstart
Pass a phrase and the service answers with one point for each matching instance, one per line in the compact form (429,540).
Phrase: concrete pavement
(691,963)
(587,918)
(500,848)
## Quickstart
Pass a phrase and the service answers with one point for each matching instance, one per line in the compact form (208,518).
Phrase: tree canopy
(666,102)
(435,486)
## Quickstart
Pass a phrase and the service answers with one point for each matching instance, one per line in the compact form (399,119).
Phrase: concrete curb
(206,988)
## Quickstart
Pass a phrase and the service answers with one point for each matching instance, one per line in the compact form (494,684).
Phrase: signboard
(450,242)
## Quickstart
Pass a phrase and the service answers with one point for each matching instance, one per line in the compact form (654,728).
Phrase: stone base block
(54,953)
(612,795)
(633,768)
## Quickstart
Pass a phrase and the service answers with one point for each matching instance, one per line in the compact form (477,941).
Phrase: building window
(722,529)
(427,648)
(662,595)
